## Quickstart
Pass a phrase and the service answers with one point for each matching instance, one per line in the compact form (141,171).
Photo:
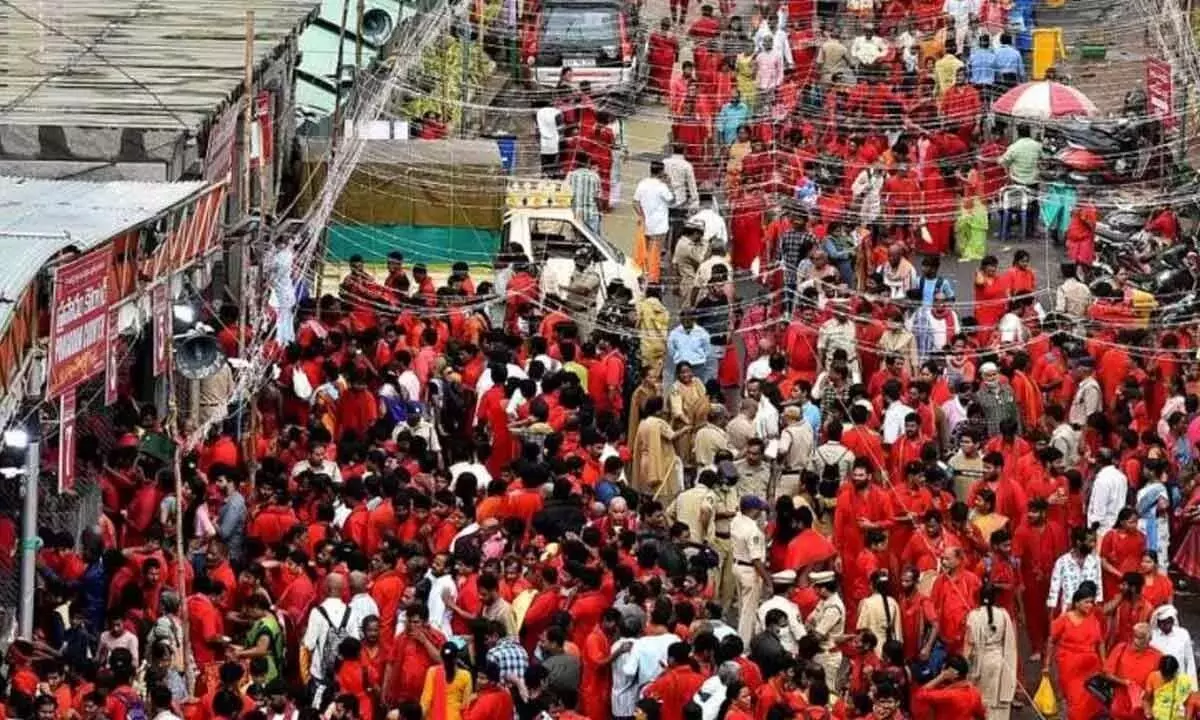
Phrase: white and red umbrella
(1043,100)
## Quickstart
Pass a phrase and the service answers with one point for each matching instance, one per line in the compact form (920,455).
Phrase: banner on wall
(79,324)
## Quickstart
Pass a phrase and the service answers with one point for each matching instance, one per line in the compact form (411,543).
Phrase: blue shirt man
(734,115)
(981,66)
(1008,60)
(688,342)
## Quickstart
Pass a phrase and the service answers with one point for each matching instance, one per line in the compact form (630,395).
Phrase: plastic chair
(1014,197)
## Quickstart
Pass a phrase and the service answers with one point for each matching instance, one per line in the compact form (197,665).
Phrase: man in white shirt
(779,44)
(647,657)
(1079,564)
(318,464)
(652,200)
(897,411)
(362,605)
(408,382)
(1108,493)
(708,218)
(549,129)
(321,621)
(1088,398)
(795,630)
(442,594)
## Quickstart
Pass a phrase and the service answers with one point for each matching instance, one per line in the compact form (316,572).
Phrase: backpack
(333,640)
(135,708)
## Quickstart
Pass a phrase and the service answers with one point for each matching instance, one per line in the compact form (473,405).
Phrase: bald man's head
(358,582)
(335,586)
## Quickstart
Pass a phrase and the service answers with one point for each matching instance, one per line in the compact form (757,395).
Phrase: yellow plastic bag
(1043,700)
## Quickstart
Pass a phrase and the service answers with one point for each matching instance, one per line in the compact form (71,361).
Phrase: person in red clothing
(357,407)
(950,694)
(413,652)
(595,686)
(661,56)
(1038,543)
(677,684)
(275,520)
(606,377)
(491,701)
(954,594)
(354,528)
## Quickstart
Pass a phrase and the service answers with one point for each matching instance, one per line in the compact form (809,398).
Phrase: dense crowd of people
(478,500)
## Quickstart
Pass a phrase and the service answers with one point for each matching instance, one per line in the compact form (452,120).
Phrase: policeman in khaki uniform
(749,548)
(827,623)
(725,507)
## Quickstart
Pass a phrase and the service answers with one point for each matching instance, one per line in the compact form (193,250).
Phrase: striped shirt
(585,188)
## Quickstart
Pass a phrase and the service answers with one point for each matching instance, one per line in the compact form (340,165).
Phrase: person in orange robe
(955,593)
(1077,648)
(357,409)
(746,227)
(1131,662)
(663,51)
(1026,393)
(950,694)
(595,685)
(1121,550)
(1126,609)
(492,413)
(991,294)
(357,678)
(492,700)
(862,506)
(677,684)
(1111,370)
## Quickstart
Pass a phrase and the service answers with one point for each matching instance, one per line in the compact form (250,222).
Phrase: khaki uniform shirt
(796,446)
(749,542)
(828,621)
(725,500)
(709,439)
(753,480)
(688,507)
(739,431)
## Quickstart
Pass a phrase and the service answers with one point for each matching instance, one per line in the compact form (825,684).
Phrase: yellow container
(1047,49)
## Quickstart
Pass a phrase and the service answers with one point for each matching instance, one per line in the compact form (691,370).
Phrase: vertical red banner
(112,363)
(160,310)
(66,442)
(78,314)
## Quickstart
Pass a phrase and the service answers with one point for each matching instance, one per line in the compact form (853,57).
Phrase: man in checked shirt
(794,246)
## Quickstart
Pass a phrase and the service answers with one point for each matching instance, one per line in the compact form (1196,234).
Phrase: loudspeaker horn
(198,356)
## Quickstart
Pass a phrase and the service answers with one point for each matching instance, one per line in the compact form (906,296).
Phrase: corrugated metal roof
(40,218)
(142,63)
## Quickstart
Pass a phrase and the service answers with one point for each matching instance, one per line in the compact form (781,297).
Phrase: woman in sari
(655,467)
(649,387)
(1187,557)
(689,410)
(1156,588)
(447,687)
(1121,550)
(1077,647)
(972,229)
(991,648)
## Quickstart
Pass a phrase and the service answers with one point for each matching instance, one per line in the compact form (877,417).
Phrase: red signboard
(222,138)
(160,309)
(1160,91)
(66,443)
(112,363)
(79,322)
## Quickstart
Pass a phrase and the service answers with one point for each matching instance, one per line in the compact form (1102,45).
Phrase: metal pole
(358,37)
(335,131)
(29,539)
(248,112)
(465,57)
